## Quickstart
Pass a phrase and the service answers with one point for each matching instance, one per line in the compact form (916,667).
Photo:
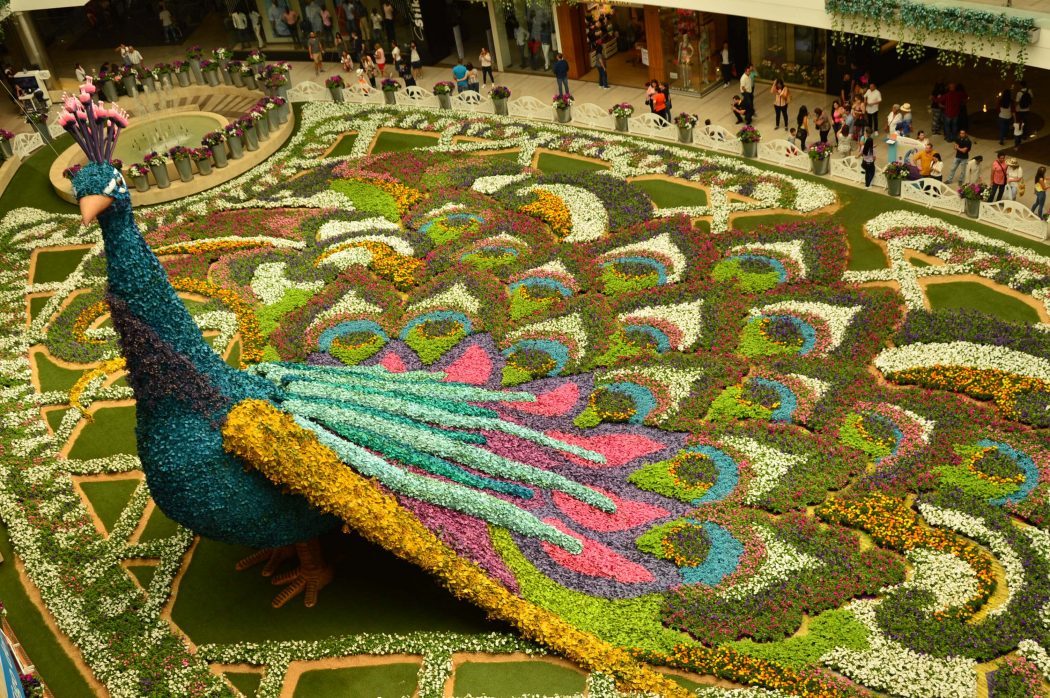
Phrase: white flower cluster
(567,325)
(793,249)
(589,218)
(984,357)
(687,317)
(678,382)
(493,183)
(662,245)
(350,303)
(270,282)
(767,463)
(837,317)
(781,563)
(331,229)
(456,296)
(952,581)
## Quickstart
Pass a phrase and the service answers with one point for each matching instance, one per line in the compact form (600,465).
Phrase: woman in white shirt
(81,74)
(485,59)
(1014,177)
(417,62)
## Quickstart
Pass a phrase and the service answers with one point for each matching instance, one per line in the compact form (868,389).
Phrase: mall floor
(913,86)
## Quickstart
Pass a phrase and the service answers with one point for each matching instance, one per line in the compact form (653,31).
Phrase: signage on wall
(645,56)
(415,13)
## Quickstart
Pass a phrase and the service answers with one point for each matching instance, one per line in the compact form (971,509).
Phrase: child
(1018,130)
(472,78)
(792,138)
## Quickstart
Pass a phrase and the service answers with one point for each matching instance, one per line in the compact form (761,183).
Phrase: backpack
(1026,100)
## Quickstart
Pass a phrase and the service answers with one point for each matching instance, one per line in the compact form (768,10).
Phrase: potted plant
(210,69)
(193,56)
(749,137)
(129,79)
(248,76)
(335,87)
(139,175)
(38,120)
(5,144)
(500,94)
(235,139)
(896,172)
(281,107)
(180,155)
(268,109)
(251,136)
(563,108)
(973,195)
(686,123)
(162,72)
(255,60)
(277,85)
(148,78)
(390,88)
(158,165)
(622,112)
(234,69)
(443,90)
(279,68)
(109,88)
(262,125)
(202,156)
(216,142)
(182,72)
(819,157)
(222,56)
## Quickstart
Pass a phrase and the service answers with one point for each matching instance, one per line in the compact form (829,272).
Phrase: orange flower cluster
(892,523)
(1001,387)
(247,323)
(271,442)
(551,210)
(87,316)
(401,270)
(974,458)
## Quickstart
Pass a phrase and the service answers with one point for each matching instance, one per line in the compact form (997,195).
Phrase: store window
(792,53)
(692,42)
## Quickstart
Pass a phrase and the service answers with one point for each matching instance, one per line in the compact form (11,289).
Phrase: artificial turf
(669,194)
(31,185)
(390,141)
(143,574)
(111,431)
(509,679)
(378,681)
(247,682)
(36,305)
(158,527)
(56,265)
(549,163)
(109,497)
(344,146)
(52,376)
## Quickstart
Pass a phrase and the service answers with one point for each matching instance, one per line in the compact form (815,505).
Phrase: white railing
(1007,215)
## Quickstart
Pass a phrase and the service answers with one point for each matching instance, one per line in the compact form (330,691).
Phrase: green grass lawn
(56,265)
(31,186)
(159,526)
(669,194)
(550,163)
(381,681)
(372,592)
(510,679)
(397,142)
(247,682)
(966,294)
(55,377)
(109,497)
(112,431)
(344,146)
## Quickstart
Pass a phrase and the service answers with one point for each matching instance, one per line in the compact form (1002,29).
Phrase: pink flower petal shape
(596,560)
(618,449)
(628,514)
(393,363)
(474,367)
(553,403)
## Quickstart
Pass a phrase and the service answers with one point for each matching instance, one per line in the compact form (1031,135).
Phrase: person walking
(472,78)
(602,66)
(822,124)
(859,116)
(953,103)
(485,61)
(1040,192)
(521,38)
(894,119)
(937,109)
(962,154)
(747,89)
(416,61)
(867,156)
(802,126)
(781,99)
(1018,128)
(872,100)
(80,73)
(388,22)
(838,118)
(167,23)
(291,21)
(1005,115)
(727,65)
(998,178)
(1023,100)
(380,56)
(316,51)
(1014,179)
(973,170)
(561,73)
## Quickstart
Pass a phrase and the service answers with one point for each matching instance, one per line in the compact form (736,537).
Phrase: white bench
(591,114)
(415,96)
(308,91)
(932,193)
(1014,217)
(531,108)
(782,152)
(652,125)
(472,101)
(23,144)
(849,168)
(717,138)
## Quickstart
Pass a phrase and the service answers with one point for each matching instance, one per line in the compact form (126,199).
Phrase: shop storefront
(795,54)
(692,44)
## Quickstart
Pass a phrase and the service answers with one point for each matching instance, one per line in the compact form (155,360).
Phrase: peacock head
(100,187)
(95,128)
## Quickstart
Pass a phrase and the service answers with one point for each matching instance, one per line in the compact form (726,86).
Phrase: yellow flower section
(971,464)
(1002,387)
(200,246)
(894,524)
(103,369)
(87,316)
(551,210)
(291,457)
(401,270)
(247,323)
(404,197)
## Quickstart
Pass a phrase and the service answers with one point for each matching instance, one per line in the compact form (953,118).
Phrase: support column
(31,42)
(498,23)
(654,42)
(573,42)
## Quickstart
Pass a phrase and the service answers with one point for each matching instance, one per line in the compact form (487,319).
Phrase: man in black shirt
(962,154)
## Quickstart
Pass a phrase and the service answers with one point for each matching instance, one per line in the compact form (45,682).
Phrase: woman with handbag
(867,157)
(1014,179)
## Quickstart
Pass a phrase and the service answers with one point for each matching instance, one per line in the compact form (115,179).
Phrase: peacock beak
(92,205)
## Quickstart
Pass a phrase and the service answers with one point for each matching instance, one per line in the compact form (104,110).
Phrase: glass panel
(692,43)
(795,54)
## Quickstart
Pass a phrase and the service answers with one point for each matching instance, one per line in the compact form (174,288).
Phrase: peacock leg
(272,557)
(312,575)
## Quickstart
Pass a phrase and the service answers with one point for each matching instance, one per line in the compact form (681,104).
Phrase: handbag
(1020,188)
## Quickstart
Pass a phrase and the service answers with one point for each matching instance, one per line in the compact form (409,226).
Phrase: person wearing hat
(1014,179)
(998,177)
(904,127)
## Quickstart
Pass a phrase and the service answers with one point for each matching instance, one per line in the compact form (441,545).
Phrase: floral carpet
(806,481)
